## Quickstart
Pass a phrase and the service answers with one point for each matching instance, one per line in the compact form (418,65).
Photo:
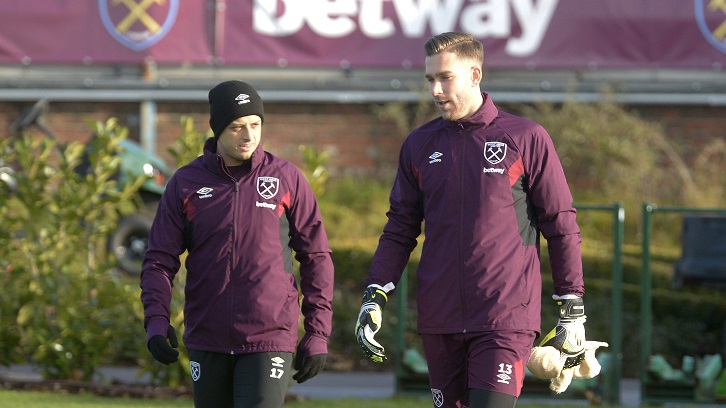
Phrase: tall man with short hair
(487,184)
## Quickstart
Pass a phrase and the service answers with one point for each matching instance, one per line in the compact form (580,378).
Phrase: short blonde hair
(463,45)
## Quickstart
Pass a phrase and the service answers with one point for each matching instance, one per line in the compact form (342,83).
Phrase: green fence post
(645,299)
(616,341)
(614,374)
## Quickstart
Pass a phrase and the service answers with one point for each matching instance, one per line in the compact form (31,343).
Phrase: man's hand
(569,335)
(160,348)
(369,322)
(308,367)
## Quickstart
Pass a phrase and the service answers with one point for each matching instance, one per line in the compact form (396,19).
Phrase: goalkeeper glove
(569,335)
(369,322)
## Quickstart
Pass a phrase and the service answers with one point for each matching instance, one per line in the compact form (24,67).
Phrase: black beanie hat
(231,100)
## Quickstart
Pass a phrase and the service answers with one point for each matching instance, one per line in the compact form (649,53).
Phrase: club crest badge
(196,370)
(438,397)
(711,18)
(267,186)
(138,24)
(495,152)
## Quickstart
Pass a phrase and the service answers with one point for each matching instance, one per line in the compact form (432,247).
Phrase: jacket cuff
(313,344)
(156,327)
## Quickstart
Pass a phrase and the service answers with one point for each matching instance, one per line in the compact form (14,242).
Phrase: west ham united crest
(196,370)
(438,397)
(495,152)
(267,186)
(711,17)
(138,24)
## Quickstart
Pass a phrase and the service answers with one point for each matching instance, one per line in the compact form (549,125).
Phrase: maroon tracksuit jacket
(241,295)
(485,188)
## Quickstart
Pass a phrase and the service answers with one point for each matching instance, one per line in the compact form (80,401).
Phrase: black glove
(569,335)
(369,322)
(161,350)
(308,367)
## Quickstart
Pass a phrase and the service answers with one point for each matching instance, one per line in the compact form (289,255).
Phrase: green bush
(611,154)
(190,144)
(66,310)
(315,170)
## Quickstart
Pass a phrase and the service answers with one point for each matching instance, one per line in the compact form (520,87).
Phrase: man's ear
(476,76)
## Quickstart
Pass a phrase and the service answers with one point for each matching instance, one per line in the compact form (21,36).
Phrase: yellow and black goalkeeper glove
(369,322)
(569,335)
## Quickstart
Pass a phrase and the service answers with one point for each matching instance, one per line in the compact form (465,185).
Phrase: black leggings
(490,399)
(257,380)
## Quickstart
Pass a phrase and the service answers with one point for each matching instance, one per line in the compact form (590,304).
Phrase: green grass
(31,399)
(27,399)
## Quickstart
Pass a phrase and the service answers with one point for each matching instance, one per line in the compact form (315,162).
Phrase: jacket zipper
(462,267)
(235,204)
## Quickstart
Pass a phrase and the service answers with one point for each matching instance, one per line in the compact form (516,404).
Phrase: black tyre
(130,241)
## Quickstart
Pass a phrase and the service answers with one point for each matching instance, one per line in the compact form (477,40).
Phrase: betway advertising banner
(364,33)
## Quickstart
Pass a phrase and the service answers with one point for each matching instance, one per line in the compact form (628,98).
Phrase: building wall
(690,127)
(359,141)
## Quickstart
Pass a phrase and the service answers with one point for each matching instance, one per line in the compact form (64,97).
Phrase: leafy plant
(612,155)
(315,171)
(190,144)
(67,310)
(408,116)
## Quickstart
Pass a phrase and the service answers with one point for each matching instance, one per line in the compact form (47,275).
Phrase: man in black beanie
(238,211)
(231,100)
(237,105)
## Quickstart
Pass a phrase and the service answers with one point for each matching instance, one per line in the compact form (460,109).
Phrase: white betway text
(338,18)
(265,205)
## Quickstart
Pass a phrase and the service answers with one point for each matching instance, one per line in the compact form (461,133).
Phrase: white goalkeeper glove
(370,319)
(569,335)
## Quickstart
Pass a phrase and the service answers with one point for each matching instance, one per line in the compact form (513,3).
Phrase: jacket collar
(214,162)
(485,115)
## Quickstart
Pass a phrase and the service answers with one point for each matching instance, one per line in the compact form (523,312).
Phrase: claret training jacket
(486,187)
(241,295)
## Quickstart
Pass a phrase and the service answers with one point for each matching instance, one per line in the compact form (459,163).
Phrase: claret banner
(364,33)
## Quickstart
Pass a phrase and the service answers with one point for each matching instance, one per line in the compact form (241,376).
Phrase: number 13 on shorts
(504,374)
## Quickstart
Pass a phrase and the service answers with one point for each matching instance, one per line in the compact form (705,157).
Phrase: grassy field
(27,399)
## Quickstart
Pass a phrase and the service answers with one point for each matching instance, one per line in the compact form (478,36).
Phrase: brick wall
(359,142)
(688,127)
